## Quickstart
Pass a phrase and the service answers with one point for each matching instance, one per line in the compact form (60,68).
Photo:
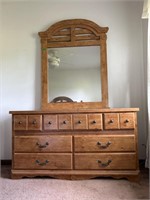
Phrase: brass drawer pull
(104,164)
(111,121)
(42,146)
(126,121)
(34,122)
(103,145)
(42,163)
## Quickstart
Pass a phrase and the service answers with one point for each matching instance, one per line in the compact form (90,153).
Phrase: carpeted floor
(53,189)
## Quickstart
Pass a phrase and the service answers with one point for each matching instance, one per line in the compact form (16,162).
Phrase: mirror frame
(73,33)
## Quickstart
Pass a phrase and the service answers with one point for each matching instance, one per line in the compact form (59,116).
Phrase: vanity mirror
(74,65)
(74,72)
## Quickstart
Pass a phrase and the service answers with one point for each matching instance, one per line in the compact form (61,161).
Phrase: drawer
(104,143)
(42,161)
(117,161)
(119,121)
(95,121)
(50,122)
(80,121)
(20,122)
(127,120)
(111,121)
(35,122)
(65,121)
(43,144)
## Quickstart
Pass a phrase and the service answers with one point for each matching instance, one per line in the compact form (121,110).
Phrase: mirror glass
(74,72)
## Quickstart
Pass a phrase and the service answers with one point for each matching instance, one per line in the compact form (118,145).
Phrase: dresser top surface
(103,110)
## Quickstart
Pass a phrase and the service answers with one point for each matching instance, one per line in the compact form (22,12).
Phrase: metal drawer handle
(104,164)
(126,121)
(42,146)
(34,122)
(94,122)
(49,122)
(42,163)
(103,145)
(20,122)
(111,121)
(79,122)
(64,122)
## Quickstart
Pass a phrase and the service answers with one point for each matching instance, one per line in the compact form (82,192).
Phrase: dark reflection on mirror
(74,72)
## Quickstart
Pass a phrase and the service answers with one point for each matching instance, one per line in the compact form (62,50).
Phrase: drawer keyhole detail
(103,145)
(42,163)
(102,164)
(42,146)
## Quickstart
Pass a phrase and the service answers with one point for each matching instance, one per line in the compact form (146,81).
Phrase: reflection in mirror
(74,72)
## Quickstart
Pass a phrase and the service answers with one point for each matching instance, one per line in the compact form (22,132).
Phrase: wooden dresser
(75,145)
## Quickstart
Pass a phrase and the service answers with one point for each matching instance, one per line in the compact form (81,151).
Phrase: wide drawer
(43,143)
(27,122)
(105,161)
(42,161)
(104,143)
(119,121)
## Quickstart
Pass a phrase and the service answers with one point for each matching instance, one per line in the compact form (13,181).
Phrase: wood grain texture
(73,33)
(72,153)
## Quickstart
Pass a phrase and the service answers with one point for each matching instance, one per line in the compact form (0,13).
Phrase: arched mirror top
(74,33)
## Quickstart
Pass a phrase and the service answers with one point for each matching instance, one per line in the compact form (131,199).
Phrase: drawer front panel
(50,122)
(43,144)
(35,122)
(104,143)
(65,122)
(111,121)
(105,161)
(42,161)
(20,122)
(80,121)
(95,121)
(127,120)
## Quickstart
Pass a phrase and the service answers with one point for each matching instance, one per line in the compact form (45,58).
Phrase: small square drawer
(35,122)
(20,122)
(111,121)
(95,121)
(80,121)
(50,122)
(65,122)
(127,120)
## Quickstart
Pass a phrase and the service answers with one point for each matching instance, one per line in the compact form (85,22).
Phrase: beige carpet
(53,189)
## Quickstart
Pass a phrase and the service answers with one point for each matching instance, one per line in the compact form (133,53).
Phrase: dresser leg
(133,178)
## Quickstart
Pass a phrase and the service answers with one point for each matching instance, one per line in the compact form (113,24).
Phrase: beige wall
(20,66)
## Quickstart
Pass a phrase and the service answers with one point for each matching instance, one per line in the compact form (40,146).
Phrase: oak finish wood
(73,33)
(72,153)
(71,140)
